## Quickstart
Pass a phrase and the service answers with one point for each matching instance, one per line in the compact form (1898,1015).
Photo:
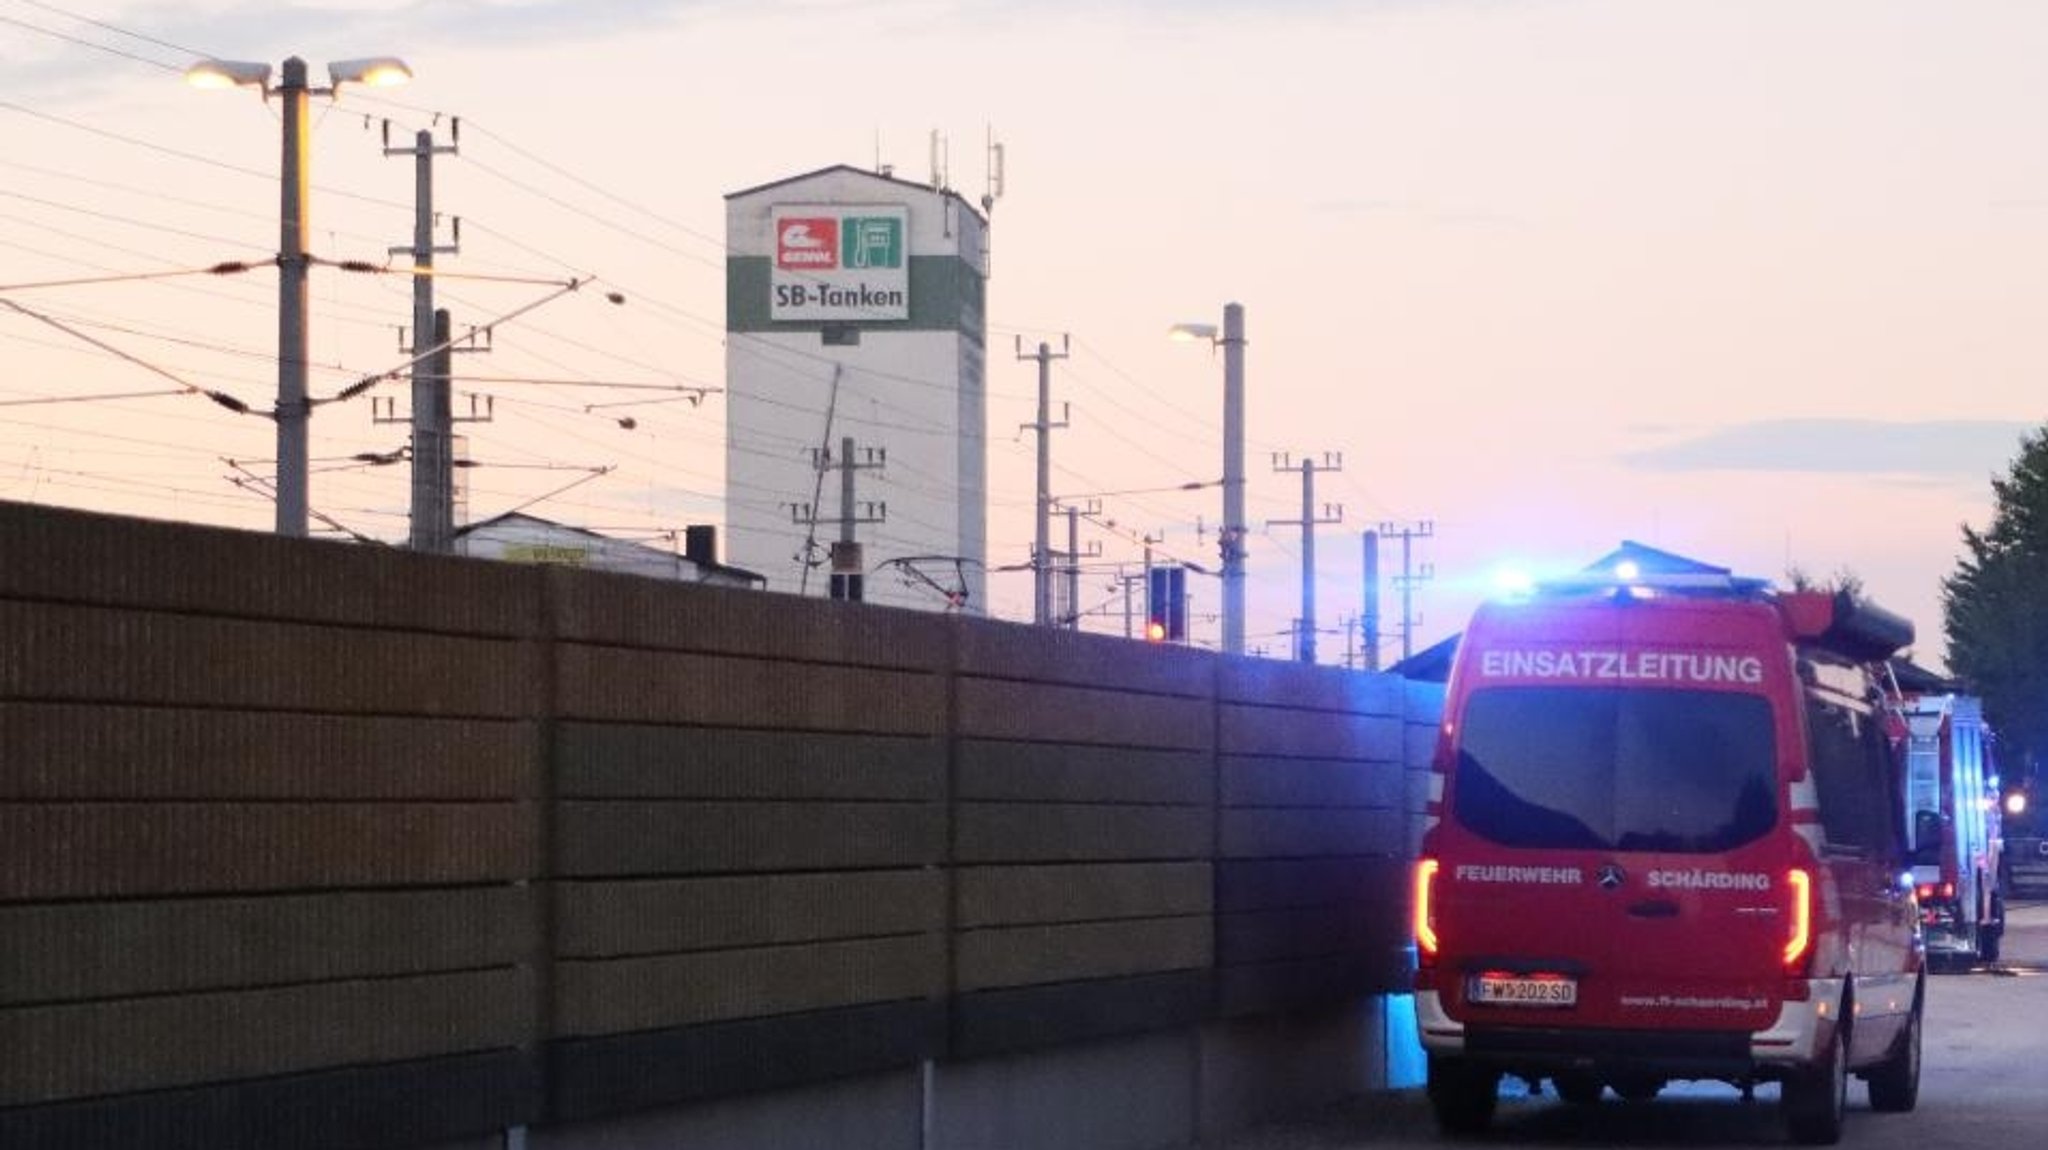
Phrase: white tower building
(855,311)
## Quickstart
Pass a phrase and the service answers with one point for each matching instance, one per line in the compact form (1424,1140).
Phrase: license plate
(1511,990)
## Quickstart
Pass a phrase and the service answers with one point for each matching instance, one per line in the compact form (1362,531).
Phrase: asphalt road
(1984,1084)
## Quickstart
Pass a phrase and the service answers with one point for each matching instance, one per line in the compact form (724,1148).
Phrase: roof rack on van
(1840,622)
(1834,621)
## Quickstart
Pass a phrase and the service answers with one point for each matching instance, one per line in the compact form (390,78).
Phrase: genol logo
(807,242)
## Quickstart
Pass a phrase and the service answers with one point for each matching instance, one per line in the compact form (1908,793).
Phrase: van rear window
(1628,769)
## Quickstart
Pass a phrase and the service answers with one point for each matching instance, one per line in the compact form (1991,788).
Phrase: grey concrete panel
(1267,781)
(91,1049)
(1308,932)
(1422,702)
(605,609)
(1271,884)
(96,751)
(82,951)
(613,996)
(107,655)
(1303,983)
(1052,713)
(1294,733)
(990,650)
(1078,773)
(1277,833)
(649,839)
(1263,1069)
(602,1084)
(60,555)
(595,760)
(1080,892)
(611,684)
(66,851)
(1418,743)
(1417,807)
(1064,1013)
(1046,832)
(1278,683)
(608,919)
(1000,957)
(1133,1094)
(395,1104)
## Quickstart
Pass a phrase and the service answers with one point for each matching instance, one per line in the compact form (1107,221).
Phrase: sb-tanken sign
(840,262)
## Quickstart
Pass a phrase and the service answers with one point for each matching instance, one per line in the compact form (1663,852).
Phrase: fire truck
(1952,827)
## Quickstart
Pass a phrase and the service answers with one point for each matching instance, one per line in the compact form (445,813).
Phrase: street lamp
(291,89)
(1230,539)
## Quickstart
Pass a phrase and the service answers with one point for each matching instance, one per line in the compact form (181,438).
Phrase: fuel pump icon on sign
(873,244)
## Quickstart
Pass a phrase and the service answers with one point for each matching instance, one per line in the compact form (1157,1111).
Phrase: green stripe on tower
(946,294)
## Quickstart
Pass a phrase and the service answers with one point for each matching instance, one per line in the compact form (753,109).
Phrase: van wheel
(1895,1082)
(1462,1095)
(1577,1087)
(1815,1098)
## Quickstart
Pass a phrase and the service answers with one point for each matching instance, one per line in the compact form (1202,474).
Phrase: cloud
(1946,449)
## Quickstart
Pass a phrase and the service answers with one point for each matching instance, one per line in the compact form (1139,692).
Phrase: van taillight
(1800,883)
(1425,913)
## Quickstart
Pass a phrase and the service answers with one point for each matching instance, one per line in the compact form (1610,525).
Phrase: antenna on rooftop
(994,190)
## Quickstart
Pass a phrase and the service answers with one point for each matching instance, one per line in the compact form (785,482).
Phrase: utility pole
(439,364)
(1369,620)
(808,557)
(292,408)
(848,562)
(1071,617)
(433,463)
(1305,634)
(1073,568)
(1410,575)
(1232,541)
(1041,548)
(848,578)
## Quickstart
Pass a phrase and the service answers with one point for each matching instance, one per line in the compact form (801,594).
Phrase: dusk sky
(1757,281)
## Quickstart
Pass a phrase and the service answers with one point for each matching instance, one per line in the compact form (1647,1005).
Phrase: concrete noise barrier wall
(320,845)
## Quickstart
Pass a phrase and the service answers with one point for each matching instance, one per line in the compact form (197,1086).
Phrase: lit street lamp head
(227,74)
(372,71)
(1189,332)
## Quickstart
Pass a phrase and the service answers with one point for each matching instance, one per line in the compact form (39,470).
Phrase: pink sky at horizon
(1500,254)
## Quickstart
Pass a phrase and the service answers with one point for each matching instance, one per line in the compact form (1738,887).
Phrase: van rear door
(1612,825)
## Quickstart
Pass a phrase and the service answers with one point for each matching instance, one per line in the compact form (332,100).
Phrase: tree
(1995,609)
(1844,580)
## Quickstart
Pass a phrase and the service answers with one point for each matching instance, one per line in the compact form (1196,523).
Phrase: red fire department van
(1662,843)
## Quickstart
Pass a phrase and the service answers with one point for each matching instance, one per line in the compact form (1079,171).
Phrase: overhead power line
(230,267)
(222,398)
(117,30)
